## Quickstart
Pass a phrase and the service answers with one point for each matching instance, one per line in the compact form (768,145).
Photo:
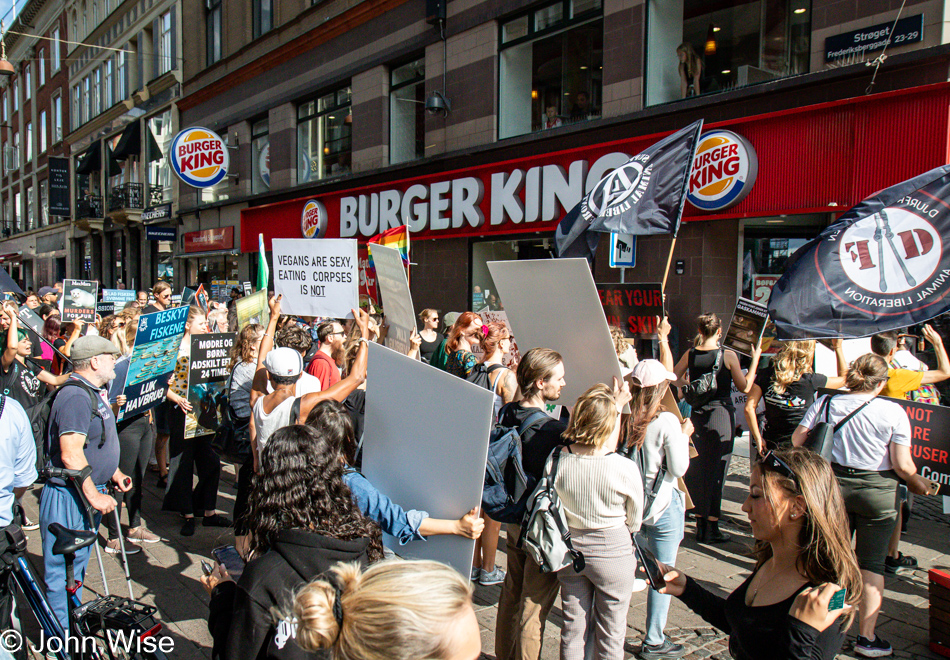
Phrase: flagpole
(669,260)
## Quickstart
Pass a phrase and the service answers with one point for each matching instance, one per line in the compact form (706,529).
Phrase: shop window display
(722,46)
(324,127)
(407,112)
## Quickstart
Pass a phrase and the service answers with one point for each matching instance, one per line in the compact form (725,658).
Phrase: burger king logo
(723,171)
(313,220)
(199,157)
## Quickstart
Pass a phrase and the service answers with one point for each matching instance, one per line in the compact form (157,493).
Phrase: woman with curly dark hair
(302,520)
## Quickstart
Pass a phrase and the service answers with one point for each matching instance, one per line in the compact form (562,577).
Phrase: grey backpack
(544,532)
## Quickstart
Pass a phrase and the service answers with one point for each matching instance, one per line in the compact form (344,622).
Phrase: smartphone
(837,600)
(649,566)
(206,567)
(934,487)
(232,560)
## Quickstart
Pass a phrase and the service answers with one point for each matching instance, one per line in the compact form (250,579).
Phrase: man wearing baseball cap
(81,431)
(48,295)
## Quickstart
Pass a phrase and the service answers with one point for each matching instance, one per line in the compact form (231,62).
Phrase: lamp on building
(711,40)
(6,69)
(437,104)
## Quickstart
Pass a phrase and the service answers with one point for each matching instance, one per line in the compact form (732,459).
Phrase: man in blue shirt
(17,472)
(82,431)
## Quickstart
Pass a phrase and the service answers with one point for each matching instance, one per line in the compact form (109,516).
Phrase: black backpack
(704,389)
(479,375)
(39,414)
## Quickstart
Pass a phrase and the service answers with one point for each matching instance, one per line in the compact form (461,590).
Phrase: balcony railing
(126,196)
(156,195)
(89,206)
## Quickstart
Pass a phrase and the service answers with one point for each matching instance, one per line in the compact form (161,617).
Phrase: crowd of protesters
(310,525)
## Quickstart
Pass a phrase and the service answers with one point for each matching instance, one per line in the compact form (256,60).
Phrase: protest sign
(247,288)
(930,439)
(411,462)
(207,377)
(317,278)
(104,309)
(554,303)
(253,309)
(154,353)
(118,296)
(513,356)
(79,300)
(397,300)
(368,291)
(201,299)
(748,323)
(632,307)
(825,361)
(186,297)
(33,323)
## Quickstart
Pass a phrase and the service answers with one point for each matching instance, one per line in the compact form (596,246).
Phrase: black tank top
(427,348)
(702,362)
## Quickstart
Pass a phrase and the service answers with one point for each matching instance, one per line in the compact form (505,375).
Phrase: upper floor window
(166,58)
(551,67)
(15,94)
(213,35)
(29,141)
(76,113)
(263,16)
(121,75)
(86,99)
(107,85)
(96,98)
(57,102)
(723,45)
(407,112)
(55,45)
(42,131)
(324,127)
(41,63)
(260,157)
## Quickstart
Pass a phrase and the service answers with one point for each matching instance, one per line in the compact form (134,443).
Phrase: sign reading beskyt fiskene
(884,265)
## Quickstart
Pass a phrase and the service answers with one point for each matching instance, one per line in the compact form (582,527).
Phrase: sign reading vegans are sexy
(154,353)
(317,278)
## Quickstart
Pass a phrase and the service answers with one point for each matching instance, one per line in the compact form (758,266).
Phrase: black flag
(884,265)
(645,195)
(7,283)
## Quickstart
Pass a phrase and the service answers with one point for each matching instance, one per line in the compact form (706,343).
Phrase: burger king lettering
(723,171)
(199,157)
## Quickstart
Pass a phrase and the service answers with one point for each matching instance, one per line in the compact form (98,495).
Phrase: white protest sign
(316,277)
(397,300)
(553,303)
(426,451)
(825,361)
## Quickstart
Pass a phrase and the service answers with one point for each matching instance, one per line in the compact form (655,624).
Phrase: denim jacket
(392,518)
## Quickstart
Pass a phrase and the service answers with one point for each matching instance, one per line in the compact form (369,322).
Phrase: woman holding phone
(784,610)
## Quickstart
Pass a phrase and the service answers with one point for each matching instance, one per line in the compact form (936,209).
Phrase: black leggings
(136,442)
(245,475)
(185,458)
(714,435)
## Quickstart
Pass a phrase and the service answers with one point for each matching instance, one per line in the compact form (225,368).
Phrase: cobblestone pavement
(166,575)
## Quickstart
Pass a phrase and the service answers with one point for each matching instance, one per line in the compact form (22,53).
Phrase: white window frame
(55,49)
(57,104)
(42,148)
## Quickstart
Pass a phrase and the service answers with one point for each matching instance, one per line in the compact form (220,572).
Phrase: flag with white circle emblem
(883,265)
(643,196)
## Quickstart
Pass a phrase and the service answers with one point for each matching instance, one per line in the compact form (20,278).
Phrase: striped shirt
(600,492)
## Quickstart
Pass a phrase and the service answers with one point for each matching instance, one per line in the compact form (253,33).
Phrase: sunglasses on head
(776,464)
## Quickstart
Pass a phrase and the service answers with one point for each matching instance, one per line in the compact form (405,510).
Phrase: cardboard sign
(747,326)
(104,309)
(827,364)
(633,307)
(368,291)
(930,439)
(118,296)
(397,300)
(247,288)
(153,358)
(554,303)
(436,466)
(208,375)
(253,309)
(79,300)
(317,278)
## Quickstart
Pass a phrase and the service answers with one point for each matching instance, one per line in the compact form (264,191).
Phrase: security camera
(437,104)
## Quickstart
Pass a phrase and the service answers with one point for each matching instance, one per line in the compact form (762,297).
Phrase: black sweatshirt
(241,622)
(768,632)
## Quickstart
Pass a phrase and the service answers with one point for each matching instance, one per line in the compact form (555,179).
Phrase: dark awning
(91,160)
(115,168)
(130,144)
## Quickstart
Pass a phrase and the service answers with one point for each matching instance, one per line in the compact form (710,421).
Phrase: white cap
(284,362)
(648,373)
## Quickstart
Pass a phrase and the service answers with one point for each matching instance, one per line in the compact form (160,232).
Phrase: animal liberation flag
(884,265)
(263,272)
(645,195)
(396,238)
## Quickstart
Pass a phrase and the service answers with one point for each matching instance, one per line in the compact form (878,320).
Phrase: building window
(551,67)
(157,146)
(76,113)
(324,127)
(41,62)
(3,101)
(263,16)
(166,57)
(723,45)
(28,77)
(57,118)
(16,150)
(107,85)
(54,49)
(16,95)
(95,14)
(96,93)
(17,212)
(29,141)
(44,202)
(30,209)
(213,17)
(407,112)
(43,131)
(122,76)
(260,155)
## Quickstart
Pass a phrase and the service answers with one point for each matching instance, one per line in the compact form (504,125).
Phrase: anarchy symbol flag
(884,265)
(645,195)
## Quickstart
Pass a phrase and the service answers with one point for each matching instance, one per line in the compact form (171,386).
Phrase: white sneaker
(113,548)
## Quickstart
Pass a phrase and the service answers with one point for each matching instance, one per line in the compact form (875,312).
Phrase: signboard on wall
(59,187)
(199,157)
(209,239)
(160,233)
(856,43)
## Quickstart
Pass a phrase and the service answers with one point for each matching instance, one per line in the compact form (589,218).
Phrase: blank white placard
(397,300)
(553,303)
(827,364)
(425,445)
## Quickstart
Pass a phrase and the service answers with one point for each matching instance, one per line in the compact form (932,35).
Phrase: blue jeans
(62,504)
(663,540)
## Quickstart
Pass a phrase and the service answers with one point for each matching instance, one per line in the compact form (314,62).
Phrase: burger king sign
(199,157)
(313,220)
(723,171)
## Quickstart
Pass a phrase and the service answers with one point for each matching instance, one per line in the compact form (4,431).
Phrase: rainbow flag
(397,237)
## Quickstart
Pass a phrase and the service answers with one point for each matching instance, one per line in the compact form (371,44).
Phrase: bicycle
(109,627)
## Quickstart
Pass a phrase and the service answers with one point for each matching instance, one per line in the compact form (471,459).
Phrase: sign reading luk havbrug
(723,172)
(199,157)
